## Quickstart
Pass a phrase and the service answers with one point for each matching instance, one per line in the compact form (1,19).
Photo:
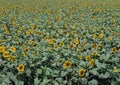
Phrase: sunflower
(2,49)
(77,41)
(12,49)
(71,46)
(61,44)
(115,69)
(110,38)
(27,33)
(73,32)
(94,35)
(118,50)
(92,45)
(99,46)
(82,72)
(92,62)
(95,53)
(46,37)
(26,49)
(21,67)
(114,49)
(50,41)
(0,41)
(5,54)
(56,47)
(88,57)
(80,57)
(100,36)
(67,64)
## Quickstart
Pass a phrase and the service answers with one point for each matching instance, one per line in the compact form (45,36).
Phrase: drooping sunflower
(82,72)
(21,67)
(67,64)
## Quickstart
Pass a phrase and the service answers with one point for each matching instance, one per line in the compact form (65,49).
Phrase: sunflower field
(59,42)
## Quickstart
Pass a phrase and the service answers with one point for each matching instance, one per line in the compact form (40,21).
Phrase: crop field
(59,42)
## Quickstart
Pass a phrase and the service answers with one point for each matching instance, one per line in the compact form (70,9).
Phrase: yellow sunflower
(88,57)
(5,54)
(67,64)
(100,36)
(82,72)
(50,41)
(114,49)
(12,49)
(21,67)
(92,62)
(115,69)
(95,53)
(2,49)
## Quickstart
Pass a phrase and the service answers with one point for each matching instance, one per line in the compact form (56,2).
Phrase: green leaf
(36,81)
(93,82)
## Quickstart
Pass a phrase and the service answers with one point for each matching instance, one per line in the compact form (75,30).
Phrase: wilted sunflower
(21,68)
(82,72)
(67,64)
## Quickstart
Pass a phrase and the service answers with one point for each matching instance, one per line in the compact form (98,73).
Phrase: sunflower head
(2,49)
(12,49)
(21,68)
(67,64)
(92,62)
(100,36)
(5,54)
(115,69)
(88,57)
(82,72)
